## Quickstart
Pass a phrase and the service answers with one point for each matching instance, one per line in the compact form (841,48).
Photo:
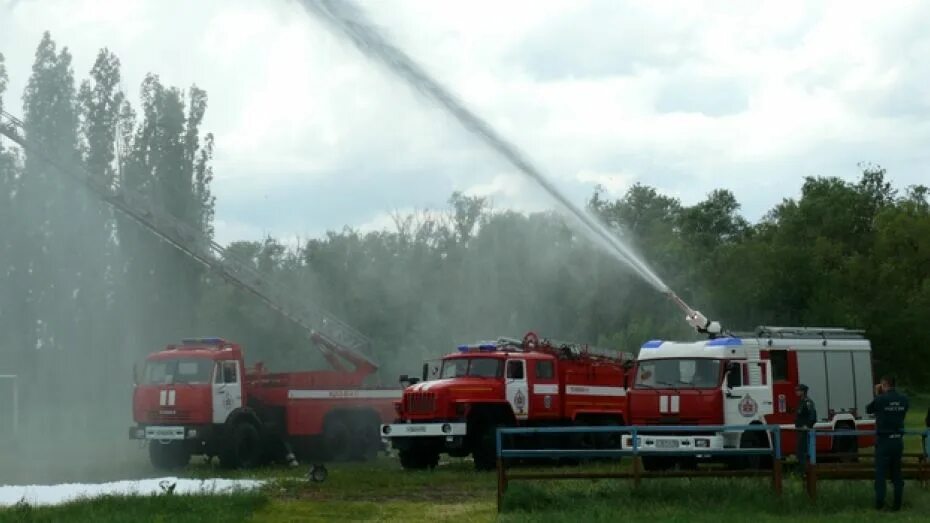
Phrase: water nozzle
(695,318)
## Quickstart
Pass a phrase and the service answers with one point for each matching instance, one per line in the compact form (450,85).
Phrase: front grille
(420,403)
(169,415)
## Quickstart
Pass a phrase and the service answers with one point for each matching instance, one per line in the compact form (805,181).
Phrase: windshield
(695,373)
(180,370)
(472,367)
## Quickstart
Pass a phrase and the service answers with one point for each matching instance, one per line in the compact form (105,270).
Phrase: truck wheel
(418,459)
(485,450)
(337,438)
(847,445)
(244,448)
(657,463)
(168,457)
(367,437)
(752,439)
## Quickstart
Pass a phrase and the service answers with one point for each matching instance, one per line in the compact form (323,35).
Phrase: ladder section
(193,243)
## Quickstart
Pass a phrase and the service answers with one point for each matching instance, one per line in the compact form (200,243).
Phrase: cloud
(686,97)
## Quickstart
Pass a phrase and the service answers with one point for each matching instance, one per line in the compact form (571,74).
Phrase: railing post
(501,475)
(777,478)
(637,460)
(811,465)
(922,460)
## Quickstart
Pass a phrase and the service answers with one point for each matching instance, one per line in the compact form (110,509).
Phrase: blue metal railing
(812,436)
(636,434)
(631,444)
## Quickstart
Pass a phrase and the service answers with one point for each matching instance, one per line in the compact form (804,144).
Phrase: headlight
(140,433)
(386,429)
(191,433)
(446,428)
(702,443)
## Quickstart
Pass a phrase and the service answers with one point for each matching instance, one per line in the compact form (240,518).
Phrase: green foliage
(842,254)
(85,293)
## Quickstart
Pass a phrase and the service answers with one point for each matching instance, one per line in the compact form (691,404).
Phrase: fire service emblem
(519,401)
(748,407)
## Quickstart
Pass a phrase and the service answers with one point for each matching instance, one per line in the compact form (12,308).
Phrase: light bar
(203,341)
(724,342)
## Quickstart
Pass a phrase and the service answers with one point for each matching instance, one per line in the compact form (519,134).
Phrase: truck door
(747,392)
(545,401)
(227,390)
(517,392)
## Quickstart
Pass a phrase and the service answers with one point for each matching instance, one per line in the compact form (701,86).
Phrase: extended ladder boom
(192,242)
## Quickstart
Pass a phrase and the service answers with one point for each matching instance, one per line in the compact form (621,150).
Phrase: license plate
(666,444)
(164,432)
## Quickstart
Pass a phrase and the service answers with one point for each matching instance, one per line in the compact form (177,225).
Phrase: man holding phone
(889,408)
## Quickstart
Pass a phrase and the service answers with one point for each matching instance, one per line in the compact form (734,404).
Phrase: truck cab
(745,379)
(505,383)
(184,394)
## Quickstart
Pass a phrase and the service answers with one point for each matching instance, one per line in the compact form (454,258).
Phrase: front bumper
(675,443)
(419,430)
(168,432)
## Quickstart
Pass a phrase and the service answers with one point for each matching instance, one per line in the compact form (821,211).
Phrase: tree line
(85,293)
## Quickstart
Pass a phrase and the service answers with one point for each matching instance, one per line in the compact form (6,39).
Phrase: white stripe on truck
(303,394)
(595,391)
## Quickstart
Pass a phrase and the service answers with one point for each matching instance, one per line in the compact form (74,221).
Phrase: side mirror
(404,379)
(135,374)
(425,371)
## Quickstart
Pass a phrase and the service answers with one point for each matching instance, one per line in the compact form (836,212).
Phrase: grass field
(454,492)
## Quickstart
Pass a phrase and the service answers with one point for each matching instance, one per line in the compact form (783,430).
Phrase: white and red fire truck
(505,383)
(198,398)
(748,379)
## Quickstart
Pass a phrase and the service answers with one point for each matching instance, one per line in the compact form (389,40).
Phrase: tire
(337,438)
(418,459)
(366,437)
(244,448)
(605,441)
(172,456)
(657,463)
(754,439)
(484,452)
(846,445)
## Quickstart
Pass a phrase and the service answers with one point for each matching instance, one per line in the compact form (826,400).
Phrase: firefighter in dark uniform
(889,408)
(804,419)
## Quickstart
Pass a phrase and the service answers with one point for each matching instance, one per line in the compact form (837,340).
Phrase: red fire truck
(504,383)
(197,397)
(750,378)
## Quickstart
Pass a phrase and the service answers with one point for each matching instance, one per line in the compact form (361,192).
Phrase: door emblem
(547,402)
(519,401)
(748,407)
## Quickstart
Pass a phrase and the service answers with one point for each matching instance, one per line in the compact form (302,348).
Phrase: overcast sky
(686,97)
